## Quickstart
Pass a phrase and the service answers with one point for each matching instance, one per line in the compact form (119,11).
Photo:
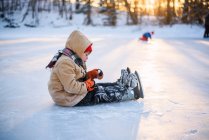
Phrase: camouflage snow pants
(106,93)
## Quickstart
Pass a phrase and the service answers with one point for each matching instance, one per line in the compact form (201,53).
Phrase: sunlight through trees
(167,11)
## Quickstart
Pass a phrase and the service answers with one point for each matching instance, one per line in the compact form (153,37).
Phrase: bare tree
(133,15)
(194,11)
(168,13)
(88,19)
(62,8)
(111,12)
(2,9)
(191,11)
(77,5)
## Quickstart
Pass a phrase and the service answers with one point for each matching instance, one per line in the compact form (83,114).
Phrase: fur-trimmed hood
(77,42)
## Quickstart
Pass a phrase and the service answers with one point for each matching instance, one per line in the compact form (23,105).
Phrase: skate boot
(128,95)
(132,90)
(128,70)
(134,83)
(124,76)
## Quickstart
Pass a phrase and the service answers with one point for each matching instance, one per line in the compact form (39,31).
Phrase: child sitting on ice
(146,36)
(71,85)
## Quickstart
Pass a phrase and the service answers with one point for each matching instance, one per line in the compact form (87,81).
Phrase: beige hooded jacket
(63,86)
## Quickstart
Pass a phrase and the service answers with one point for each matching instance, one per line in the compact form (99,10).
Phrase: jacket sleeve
(66,74)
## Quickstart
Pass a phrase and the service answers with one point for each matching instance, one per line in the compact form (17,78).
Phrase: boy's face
(84,56)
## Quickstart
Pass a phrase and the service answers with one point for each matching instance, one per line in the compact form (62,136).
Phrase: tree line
(167,11)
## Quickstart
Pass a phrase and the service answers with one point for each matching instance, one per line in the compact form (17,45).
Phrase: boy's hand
(95,73)
(90,84)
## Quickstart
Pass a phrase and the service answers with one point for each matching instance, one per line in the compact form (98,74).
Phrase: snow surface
(173,67)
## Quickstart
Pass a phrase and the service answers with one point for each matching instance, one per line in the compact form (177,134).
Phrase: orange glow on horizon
(146,6)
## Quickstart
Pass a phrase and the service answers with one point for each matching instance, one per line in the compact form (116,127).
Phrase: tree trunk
(168,16)
(88,20)
(185,12)
(133,16)
(2,8)
(77,5)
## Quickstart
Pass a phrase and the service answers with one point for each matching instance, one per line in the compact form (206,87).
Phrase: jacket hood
(77,42)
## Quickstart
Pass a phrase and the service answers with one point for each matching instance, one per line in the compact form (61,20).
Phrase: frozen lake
(174,68)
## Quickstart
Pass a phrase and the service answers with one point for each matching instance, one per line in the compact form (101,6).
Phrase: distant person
(206,34)
(146,36)
(71,85)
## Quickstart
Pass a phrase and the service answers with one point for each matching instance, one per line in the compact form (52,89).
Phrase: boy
(71,85)
(146,36)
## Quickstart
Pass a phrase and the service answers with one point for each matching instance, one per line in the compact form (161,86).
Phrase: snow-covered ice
(174,68)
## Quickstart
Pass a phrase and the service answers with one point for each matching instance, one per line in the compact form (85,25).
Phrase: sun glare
(152,2)
(150,7)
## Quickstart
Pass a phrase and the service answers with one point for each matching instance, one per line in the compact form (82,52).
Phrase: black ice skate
(128,70)
(138,90)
